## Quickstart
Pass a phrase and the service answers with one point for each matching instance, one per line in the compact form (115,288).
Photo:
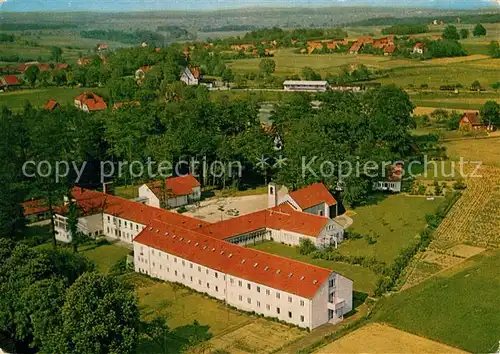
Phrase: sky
(131,5)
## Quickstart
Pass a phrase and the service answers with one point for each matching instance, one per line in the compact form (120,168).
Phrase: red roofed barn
(51,105)
(471,121)
(172,193)
(9,82)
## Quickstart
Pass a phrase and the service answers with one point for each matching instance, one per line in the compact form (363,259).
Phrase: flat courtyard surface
(210,210)
(379,338)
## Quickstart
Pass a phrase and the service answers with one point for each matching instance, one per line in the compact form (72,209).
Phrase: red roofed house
(191,75)
(471,121)
(9,82)
(208,257)
(60,66)
(35,210)
(356,47)
(89,102)
(102,46)
(390,49)
(393,182)
(176,192)
(51,105)
(314,199)
(419,48)
(83,61)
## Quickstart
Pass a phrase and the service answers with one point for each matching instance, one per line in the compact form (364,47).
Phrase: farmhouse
(390,49)
(393,182)
(305,86)
(471,121)
(171,193)
(89,102)
(191,75)
(102,46)
(9,82)
(208,257)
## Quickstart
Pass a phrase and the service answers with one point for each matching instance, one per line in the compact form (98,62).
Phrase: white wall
(90,225)
(121,229)
(321,209)
(146,192)
(243,294)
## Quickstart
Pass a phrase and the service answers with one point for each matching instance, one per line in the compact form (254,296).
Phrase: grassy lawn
(15,100)
(364,279)
(104,255)
(459,307)
(394,221)
(127,192)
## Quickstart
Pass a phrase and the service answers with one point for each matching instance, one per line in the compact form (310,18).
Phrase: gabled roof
(270,270)
(60,66)
(419,45)
(471,117)
(34,207)
(356,47)
(95,202)
(312,195)
(92,101)
(178,186)
(43,66)
(9,80)
(195,71)
(390,49)
(51,104)
(282,217)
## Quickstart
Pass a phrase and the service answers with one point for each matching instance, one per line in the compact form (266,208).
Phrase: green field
(364,279)
(104,256)
(458,307)
(15,100)
(394,221)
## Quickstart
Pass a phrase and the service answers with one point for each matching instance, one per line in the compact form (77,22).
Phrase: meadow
(458,307)
(486,150)
(393,222)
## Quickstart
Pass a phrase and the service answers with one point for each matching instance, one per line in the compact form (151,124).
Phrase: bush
(182,209)
(306,246)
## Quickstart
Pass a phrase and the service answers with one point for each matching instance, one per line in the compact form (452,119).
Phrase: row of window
(268,291)
(268,308)
(128,224)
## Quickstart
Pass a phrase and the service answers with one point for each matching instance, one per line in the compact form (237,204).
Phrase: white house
(173,193)
(314,199)
(305,86)
(250,280)
(418,48)
(393,181)
(191,75)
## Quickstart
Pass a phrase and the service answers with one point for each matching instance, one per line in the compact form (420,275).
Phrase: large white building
(211,258)
(305,86)
(173,193)
(294,292)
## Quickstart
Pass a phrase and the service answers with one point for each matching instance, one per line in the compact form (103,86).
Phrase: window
(137,227)
(153,264)
(271,190)
(289,299)
(289,314)
(240,283)
(268,292)
(278,310)
(175,260)
(240,298)
(331,283)
(258,289)
(206,271)
(153,252)
(268,307)
(109,218)
(199,282)
(302,303)
(301,318)
(108,230)
(183,276)
(175,273)
(125,224)
(168,270)
(183,263)
(216,275)
(277,295)
(199,269)
(231,281)
(191,279)
(249,300)
(208,285)
(258,303)
(191,265)
(249,287)
(216,288)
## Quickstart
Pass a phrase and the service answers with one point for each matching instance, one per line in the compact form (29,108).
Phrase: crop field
(393,222)
(458,307)
(364,279)
(485,150)
(379,338)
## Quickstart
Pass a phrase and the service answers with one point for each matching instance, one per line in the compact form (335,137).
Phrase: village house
(174,192)
(140,73)
(102,47)
(208,257)
(244,47)
(35,210)
(89,102)
(419,48)
(305,86)
(391,49)
(51,105)
(393,180)
(191,75)
(471,121)
(9,82)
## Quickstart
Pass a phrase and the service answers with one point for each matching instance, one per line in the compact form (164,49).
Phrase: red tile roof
(419,45)
(195,71)
(34,207)
(390,49)
(471,117)
(60,66)
(312,195)
(83,61)
(102,46)
(270,270)
(51,104)
(93,201)
(178,186)
(93,101)
(282,217)
(356,47)
(44,66)
(9,80)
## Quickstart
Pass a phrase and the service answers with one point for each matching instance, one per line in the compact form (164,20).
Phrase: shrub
(182,209)
(306,246)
